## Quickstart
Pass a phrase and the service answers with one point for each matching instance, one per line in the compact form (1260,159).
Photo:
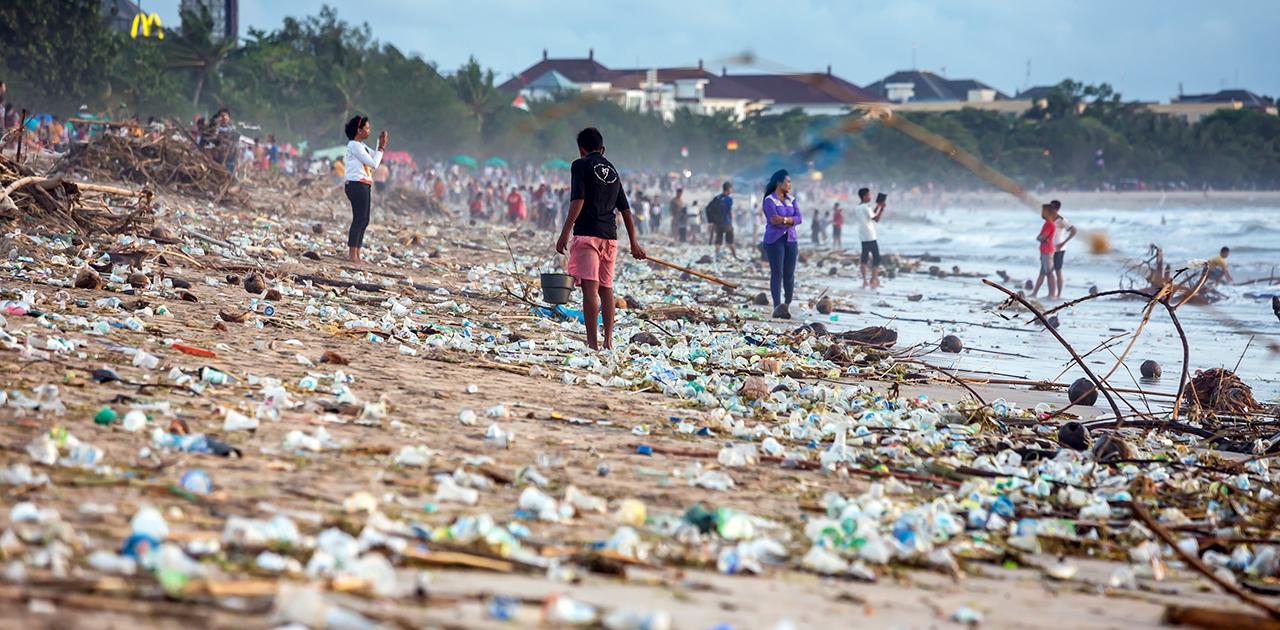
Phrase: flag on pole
(520,103)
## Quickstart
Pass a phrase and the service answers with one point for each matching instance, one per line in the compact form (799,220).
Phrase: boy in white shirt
(867,215)
(1063,232)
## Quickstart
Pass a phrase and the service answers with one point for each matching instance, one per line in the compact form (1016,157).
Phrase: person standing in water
(782,215)
(595,192)
(1063,232)
(1046,236)
(359,164)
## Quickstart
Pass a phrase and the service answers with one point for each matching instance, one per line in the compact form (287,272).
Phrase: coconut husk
(1220,391)
(88,279)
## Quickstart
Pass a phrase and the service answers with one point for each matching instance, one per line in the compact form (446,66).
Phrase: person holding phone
(868,215)
(782,215)
(359,164)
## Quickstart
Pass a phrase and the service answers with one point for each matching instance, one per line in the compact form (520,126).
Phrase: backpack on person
(713,213)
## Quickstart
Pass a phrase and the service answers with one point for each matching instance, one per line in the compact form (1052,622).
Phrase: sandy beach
(478,348)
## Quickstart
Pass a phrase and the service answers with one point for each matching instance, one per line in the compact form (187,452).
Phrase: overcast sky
(1144,48)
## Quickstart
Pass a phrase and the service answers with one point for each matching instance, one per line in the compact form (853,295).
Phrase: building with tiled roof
(584,73)
(664,90)
(1244,97)
(922,86)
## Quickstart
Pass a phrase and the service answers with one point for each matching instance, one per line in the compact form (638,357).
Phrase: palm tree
(475,88)
(195,49)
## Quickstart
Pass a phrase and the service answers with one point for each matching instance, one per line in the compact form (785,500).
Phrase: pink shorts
(591,260)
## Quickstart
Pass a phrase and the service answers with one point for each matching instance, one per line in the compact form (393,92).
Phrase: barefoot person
(868,215)
(359,164)
(595,192)
(837,228)
(1047,229)
(720,211)
(782,215)
(1063,233)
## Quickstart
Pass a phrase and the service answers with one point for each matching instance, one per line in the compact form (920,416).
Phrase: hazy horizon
(1144,49)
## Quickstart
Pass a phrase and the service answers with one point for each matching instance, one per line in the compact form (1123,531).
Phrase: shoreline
(1099,200)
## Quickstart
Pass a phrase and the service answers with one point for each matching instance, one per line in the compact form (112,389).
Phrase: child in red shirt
(1050,214)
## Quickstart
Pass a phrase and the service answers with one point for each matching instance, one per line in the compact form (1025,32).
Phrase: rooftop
(809,88)
(577,70)
(930,86)
(1244,97)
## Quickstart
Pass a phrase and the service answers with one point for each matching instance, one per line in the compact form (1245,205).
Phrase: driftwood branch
(1065,344)
(1173,317)
(1194,561)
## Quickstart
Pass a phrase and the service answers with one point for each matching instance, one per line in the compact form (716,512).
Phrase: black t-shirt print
(595,181)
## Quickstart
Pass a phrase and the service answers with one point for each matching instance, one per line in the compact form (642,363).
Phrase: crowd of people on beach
(719,214)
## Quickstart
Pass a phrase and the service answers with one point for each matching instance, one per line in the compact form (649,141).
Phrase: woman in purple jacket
(782,215)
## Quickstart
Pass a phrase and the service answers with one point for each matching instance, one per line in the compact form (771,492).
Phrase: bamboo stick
(704,276)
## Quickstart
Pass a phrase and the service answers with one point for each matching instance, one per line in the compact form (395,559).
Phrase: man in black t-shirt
(595,192)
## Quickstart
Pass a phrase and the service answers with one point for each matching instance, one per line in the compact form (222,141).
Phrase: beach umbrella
(463,160)
(556,164)
(399,157)
(331,153)
(496,161)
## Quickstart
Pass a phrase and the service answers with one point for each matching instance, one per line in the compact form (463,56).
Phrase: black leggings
(782,268)
(359,195)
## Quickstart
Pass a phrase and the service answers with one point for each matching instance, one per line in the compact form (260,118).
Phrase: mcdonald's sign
(144,22)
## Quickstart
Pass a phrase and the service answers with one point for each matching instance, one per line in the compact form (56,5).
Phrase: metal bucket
(557,288)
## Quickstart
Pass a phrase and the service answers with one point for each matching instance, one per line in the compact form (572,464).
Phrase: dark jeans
(782,268)
(359,195)
(870,253)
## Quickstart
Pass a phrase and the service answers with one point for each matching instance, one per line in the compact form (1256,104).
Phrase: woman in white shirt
(359,164)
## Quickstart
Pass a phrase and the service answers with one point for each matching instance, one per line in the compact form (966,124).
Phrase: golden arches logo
(146,21)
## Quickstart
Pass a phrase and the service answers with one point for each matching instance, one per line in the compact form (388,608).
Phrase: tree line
(301,80)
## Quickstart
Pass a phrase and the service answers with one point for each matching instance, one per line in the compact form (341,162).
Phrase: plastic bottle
(626,619)
(109,562)
(418,456)
(738,456)
(502,608)
(734,525)
(560,609)
(213,376)
(147,521)
(713,480)
(630,512)
(236,421)
(196,481)
(81,454)
(134,421)
(536,501)
(448,491)
(145,360)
